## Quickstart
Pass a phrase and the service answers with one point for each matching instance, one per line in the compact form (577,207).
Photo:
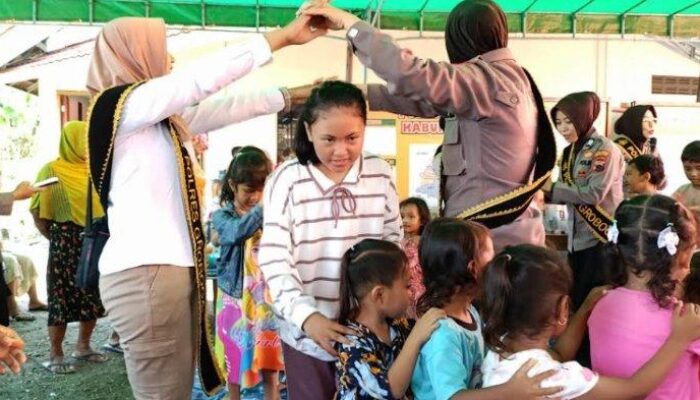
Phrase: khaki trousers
(152,309)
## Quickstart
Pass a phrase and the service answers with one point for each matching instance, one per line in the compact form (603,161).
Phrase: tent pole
(257,15)
(204,14)
(421,24)
(623,17)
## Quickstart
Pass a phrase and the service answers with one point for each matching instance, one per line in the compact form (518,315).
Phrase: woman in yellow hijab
(59,214)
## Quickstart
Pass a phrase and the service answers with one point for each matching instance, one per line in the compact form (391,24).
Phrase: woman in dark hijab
(634,131)
(590,184)
(474,28)
(492,104)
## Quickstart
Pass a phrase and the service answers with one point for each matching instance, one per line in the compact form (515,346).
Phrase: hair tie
(668,238)
(613,233)
(508,257)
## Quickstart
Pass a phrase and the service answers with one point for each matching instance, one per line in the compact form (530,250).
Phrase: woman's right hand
(325,332)
(685,326)
(523,387)
(24,191)
(426,325)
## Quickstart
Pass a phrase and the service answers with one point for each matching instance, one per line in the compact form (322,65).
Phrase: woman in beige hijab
(142,165)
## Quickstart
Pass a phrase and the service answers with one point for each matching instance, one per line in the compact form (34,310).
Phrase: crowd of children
(374,300)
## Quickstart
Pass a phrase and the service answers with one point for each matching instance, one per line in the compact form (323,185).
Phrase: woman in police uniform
(634,132)
(590,184)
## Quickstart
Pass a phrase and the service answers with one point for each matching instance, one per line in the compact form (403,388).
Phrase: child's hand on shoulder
(685,326)
(427,324)
(594,296)
(522,386)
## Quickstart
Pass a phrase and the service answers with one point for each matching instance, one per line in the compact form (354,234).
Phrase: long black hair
(368,263)
(446,248)
(639,222)
(329,94)
(523,287)
(250,166)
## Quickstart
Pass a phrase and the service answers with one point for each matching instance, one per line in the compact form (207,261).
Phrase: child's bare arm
(569,342)
(686,328)
(401,371)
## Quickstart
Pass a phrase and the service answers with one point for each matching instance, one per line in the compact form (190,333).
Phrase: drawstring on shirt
(342,197)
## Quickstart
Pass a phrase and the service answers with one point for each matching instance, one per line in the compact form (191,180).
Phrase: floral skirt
(67,302)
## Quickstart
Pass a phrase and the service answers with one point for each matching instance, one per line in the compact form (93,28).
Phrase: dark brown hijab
(582,109)
(475,27)
(630,124)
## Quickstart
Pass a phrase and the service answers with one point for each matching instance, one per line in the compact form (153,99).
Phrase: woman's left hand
(335,18)
(300,31)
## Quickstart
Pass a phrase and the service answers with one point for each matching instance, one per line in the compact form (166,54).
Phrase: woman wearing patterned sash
(152,267)
(634,130)
(493,105)
(590,184)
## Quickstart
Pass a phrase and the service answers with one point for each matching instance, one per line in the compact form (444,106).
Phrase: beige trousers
(152,309)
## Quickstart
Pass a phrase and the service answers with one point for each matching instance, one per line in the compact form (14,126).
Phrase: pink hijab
(130,50)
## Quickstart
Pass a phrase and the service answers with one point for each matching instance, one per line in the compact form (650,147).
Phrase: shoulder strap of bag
(88,213)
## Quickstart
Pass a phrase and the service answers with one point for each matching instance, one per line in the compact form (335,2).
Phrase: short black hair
(691,152)
(329,94)
(647,163)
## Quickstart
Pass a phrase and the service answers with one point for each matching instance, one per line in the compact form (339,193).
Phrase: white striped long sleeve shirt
(309,222)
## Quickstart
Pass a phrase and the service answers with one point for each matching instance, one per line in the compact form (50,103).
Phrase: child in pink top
(415,215)
(631,323)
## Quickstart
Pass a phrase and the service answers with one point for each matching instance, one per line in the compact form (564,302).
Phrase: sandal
(23,317)
(58,367)
(91,356)
(113,347)
(42,307)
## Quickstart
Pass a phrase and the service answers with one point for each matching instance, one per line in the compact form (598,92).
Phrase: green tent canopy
(659,17)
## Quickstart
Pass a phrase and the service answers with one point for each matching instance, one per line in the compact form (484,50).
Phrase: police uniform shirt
(597,171)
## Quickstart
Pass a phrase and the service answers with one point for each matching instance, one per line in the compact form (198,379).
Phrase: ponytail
(250,166)
(524,286)
(497,297)
(348,301)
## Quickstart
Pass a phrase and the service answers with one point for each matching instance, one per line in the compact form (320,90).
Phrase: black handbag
(94,238)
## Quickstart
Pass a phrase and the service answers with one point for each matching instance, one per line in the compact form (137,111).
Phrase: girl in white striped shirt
(315,208)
